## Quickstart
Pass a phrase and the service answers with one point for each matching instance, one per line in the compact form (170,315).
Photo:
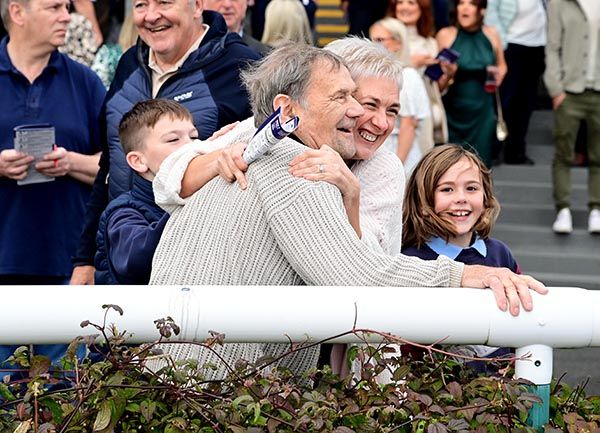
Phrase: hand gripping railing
(564,318)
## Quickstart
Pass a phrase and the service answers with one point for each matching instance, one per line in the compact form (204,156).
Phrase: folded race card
(36,140)
(446,55)
(268,134)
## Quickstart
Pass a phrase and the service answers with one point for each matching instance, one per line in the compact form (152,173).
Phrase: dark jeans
(519,93)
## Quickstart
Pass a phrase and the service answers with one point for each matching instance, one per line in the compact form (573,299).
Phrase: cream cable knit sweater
(381,181)
(280,231)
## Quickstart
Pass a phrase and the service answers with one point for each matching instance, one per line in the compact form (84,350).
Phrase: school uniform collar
(442,248)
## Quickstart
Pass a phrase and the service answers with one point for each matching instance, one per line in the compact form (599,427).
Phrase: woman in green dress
(469,107)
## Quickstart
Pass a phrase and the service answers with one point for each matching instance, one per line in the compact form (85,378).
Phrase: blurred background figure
(522,28)
(469,101)
(441,9)
(412,136)
(80,41)
(107,57)
(572,77)
(286,21)
(234,12)
(417,16)
(84,34)
(258,11)
(361,14)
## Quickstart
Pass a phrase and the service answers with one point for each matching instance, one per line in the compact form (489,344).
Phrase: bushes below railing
(430,393)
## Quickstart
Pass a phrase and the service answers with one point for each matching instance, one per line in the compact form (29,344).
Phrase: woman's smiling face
(380,98)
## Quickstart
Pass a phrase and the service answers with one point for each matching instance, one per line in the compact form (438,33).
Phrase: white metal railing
(566,317)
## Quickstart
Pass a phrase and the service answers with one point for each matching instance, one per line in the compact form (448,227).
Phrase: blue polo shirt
(40,224)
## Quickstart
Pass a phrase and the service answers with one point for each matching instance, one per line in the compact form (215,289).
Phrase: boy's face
(164,138)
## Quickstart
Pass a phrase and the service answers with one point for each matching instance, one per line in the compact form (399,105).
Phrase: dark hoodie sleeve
(98,201)
(230,94)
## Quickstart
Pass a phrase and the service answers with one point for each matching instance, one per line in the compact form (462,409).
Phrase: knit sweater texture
(281,230)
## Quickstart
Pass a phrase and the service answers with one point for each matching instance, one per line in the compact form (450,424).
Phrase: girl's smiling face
(459,198)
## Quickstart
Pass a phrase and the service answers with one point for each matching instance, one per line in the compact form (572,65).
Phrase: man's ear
(137,161)
(286,104)
(198,8)
(16,11)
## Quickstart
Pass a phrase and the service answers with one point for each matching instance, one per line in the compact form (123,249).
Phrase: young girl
(450,209)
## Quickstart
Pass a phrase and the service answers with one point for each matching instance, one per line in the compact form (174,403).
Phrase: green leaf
(115,379)
(179,422)
(6,393)
(401,372)
(147,409)
(173,429)
(351,354)
(241,399)
(54,407)
(103,418)
(132,407)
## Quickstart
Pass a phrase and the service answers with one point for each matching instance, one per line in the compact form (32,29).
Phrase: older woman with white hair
(413,135)
(374,173)
(371,182)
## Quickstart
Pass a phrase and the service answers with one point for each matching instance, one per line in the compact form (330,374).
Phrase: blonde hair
(419,217)
(128,34)
(286,21)
(398,31)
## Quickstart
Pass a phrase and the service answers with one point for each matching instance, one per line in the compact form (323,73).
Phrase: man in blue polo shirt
(41,222)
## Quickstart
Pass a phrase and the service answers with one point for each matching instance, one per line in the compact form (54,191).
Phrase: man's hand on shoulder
(82,275)
(510,290)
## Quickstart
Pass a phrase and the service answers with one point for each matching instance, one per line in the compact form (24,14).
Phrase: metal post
(536,366)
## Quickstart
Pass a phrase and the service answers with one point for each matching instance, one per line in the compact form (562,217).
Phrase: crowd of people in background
(144,97)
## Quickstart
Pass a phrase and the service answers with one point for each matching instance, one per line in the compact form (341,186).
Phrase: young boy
(131,225)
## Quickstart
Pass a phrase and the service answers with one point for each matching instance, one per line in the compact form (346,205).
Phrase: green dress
(469,108)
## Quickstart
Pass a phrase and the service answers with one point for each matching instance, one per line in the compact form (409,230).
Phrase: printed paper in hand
(269,133)
(35,140)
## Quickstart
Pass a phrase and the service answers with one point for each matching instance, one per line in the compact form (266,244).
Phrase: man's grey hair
(286,70)
(365,59)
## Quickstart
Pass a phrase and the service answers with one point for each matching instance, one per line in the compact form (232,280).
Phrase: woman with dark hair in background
(481,65)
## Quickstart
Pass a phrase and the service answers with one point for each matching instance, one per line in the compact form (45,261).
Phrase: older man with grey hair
(284,230)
